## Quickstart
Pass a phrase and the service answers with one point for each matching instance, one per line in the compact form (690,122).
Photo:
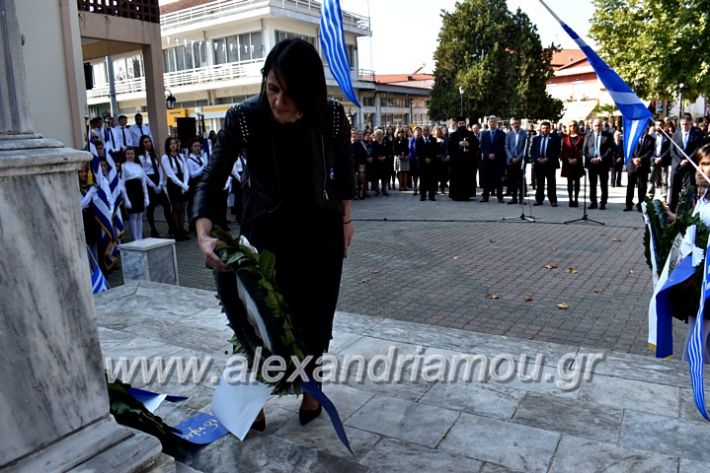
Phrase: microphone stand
(584,217)
(524,183)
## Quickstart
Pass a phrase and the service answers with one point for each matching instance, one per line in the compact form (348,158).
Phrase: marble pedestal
(150,259)
(53,396)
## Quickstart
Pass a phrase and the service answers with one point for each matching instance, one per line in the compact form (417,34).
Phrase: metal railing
(206,75)
(221,8)
(143,10)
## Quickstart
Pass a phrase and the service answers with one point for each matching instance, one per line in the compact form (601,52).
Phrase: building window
(100,73)
(199,53)
(238,48)
(368,101)
(282,35)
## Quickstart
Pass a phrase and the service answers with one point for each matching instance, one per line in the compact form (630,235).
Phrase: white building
(213,52)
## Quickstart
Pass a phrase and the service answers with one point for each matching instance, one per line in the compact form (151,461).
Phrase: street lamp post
(680,100)
(461,100)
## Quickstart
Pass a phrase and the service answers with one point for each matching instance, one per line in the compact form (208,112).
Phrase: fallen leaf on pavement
(491,241)
(364,280)
(455,258)
(375,271)
(492,296)
(551,266)
(571,270)
(528,299)
(596,290)
(562,306)
(616,240)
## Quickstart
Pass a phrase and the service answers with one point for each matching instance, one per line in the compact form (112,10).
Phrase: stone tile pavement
(632,413)
(461,265)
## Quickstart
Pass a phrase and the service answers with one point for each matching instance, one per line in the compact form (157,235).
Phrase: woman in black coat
(297,190)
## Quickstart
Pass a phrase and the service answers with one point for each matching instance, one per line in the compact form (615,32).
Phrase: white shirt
(659,144)
(137,132)
(134,170)
(118,134)
(149,171)
(196,164)
(170,165)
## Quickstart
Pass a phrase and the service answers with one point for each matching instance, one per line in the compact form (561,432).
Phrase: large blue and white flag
(332,41)
(636,115)
(98,281)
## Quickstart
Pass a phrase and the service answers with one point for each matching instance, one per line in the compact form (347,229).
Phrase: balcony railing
(221,8)
(143,10)
(206,75)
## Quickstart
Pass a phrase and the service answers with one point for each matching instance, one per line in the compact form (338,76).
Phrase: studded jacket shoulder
(247,131)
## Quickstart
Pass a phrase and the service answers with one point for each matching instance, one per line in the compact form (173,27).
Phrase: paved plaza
(461,265)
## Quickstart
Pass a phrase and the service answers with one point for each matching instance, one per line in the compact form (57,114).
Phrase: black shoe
(571,203)
(307,415)
(553,204)
(484,199)
(500,200)
(602,207)
(537,204)
(422,199)
(576,203)
(259,424)
(592,206)
(513,202)
(385,193)
(628,209)
(432,198)
(638,207)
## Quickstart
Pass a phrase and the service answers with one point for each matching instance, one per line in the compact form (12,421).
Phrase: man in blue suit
(493,161)
(599,151)
(545,154)
(515,154)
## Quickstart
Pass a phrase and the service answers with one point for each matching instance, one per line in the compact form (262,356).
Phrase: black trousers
(492,180)
(573,188)
(162,200)
(616,171)
(428,179)
(542,174)
(640,179)
(515,181)
(602,176)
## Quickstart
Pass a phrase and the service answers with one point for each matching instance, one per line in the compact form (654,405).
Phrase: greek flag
(696,344)
(332,41)
(635,114)
(98,281)
(104,213)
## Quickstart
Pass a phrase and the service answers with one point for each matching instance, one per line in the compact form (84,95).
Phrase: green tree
(498,59)
(656,45)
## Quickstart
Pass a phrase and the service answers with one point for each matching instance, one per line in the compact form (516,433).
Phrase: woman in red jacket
(572,161)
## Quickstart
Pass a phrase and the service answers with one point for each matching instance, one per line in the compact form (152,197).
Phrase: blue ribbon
(310,387)
(664,307)
(696,344)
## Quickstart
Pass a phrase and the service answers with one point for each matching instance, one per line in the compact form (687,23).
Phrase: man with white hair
(494,159)
(599,151)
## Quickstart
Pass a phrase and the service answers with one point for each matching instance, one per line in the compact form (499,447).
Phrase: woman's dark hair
(299,70)
(167,143)
(141,149)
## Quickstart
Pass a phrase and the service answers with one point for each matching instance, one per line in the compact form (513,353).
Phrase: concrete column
(155,93)
(54,398)
(378,111)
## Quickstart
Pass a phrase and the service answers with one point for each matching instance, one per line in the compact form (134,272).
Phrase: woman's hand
(207,244)
(348,233)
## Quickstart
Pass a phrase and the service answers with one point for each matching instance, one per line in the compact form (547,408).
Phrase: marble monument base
(150,259)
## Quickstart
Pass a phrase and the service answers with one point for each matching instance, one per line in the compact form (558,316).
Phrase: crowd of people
(131,177)
(128,178)
(432,161)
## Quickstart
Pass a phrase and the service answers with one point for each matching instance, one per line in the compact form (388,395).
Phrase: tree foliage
(656,45)
(498,59)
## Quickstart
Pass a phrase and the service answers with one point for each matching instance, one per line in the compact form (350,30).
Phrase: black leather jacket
(248,131)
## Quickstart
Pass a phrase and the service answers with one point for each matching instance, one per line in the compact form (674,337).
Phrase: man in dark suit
(617,167)
(689,139)
(515,143)
(660,162)
(493,161)
(545,153)
(427,148)
(599,152)
(638,168)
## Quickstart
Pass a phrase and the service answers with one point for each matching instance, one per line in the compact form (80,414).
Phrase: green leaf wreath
(242,258)
(686,296)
